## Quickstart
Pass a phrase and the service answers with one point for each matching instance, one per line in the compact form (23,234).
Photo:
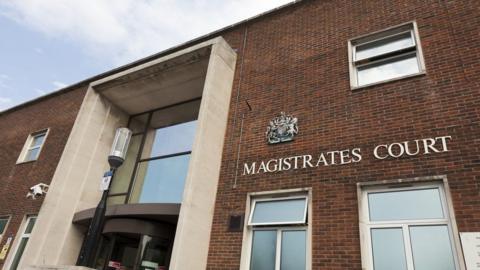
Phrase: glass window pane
(19,253)
(388,249)
(431,248)
(161,180)
(123,175)
(263,250)
(32,154)
(284,211)
(170,140)
(31,222)
(408,204)
(390,69)
(120,199)
(3,224)
(37,140)
(294,254)
(383,46)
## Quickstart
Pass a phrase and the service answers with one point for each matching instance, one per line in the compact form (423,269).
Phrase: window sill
(355,88)
(25,162)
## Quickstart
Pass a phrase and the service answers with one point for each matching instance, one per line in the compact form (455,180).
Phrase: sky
(46,45)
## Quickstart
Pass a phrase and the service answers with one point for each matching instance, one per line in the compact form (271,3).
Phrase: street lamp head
(119,147)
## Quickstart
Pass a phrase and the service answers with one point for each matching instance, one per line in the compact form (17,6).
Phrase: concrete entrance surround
(75,185)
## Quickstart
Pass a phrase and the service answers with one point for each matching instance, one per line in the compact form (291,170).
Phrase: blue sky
(49,44)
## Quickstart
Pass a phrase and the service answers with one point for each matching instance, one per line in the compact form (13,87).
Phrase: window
(387,55)
(3,226)
(277,229)
(33,146)
(407,228)
(23,240)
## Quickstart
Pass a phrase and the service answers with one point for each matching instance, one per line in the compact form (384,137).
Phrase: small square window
(391,54)
(33,146)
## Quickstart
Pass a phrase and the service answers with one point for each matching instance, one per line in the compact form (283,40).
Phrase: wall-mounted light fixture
(119,147)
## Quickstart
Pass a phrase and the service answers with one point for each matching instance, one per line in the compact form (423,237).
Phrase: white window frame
(28,145)
(18,239)
(248,230)
(391,186)
(278,249)
(354,64)
(303,221)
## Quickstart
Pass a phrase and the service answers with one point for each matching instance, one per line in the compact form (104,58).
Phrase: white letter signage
(394,150)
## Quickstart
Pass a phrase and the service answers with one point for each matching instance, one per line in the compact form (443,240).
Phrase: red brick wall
(57,113)
(296,61)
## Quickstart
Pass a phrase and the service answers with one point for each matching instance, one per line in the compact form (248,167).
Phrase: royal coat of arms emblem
(282,129)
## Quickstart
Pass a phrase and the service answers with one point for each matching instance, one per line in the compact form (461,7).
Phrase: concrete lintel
(157,61)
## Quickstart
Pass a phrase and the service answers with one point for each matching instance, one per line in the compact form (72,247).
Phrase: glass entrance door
(154,253)
(133,252)
(124,253)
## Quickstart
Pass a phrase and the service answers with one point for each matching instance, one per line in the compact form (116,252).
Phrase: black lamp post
(92,239)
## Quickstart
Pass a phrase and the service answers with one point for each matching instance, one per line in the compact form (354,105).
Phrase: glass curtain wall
(158,157)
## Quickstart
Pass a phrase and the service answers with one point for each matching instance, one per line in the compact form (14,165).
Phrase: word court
(348,156)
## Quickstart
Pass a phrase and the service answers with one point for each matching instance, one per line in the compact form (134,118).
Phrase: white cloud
(56,86)
(59,85)
(41,92)
(3,81)
(125,30)
(5,102)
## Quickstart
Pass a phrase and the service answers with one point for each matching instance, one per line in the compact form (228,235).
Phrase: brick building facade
(297,61)
(384,167)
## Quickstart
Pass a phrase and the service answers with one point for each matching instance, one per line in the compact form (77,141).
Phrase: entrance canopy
(160,212)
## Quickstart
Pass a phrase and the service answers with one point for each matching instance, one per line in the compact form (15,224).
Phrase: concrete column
(75,184)
(190,249)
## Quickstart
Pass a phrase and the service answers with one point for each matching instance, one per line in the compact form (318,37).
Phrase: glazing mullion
(167,107)
(117,194)
(139,156)
(278,251)
(390,57)
(165,156)
(408,247)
